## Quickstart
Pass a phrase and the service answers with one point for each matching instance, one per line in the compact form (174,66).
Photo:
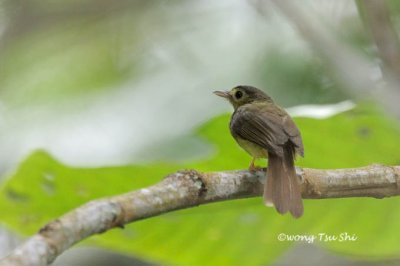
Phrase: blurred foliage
(41,66)
(70,69)
(241,232)
(57,51)
(356,36)
(302,76)
(44,77)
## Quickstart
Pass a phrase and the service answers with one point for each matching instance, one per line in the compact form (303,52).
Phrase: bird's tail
(282,188)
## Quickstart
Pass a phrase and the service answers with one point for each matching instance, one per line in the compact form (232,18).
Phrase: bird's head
(241,95)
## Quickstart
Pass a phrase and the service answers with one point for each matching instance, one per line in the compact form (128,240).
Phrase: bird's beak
(224,94)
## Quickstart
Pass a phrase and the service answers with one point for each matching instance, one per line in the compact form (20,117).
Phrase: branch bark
(190,188)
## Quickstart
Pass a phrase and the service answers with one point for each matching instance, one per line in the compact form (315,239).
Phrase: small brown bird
(265,130)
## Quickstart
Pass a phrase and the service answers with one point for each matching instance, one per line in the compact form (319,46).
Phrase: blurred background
(95,83)
(99,84)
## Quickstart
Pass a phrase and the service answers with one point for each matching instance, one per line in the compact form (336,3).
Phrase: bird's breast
(251,148)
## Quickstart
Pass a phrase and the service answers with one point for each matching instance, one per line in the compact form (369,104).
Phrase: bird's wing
(261,127)
(294,134)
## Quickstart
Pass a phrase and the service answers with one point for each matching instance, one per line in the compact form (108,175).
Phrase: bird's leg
(252,167)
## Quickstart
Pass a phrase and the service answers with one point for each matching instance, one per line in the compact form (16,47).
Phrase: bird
(265,130)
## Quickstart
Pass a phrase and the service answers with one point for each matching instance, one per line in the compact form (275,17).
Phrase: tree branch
(185,189)
(376,17)
(350,68)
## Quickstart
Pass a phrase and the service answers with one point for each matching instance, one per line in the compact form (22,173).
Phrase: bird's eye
(238,95)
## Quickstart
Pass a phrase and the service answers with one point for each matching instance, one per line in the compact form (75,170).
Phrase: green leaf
(241,232)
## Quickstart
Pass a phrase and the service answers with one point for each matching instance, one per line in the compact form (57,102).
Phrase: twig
(376,17)
(350,68)
(191,188)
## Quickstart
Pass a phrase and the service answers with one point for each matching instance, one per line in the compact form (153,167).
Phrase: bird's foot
(253,168)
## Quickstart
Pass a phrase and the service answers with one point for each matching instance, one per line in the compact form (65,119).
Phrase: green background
(98,98)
